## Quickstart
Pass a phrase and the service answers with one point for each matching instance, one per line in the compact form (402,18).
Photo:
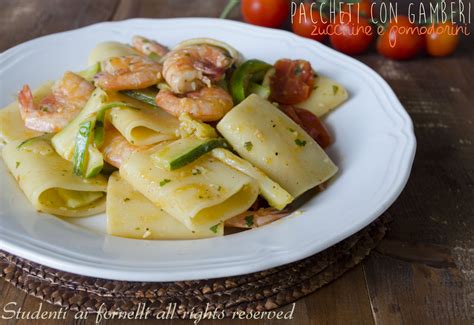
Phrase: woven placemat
(260,291)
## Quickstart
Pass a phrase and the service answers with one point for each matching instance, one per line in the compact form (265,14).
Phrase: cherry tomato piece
(401,40)
(351,34)
(310,25)
(442,39)
(293,81)
(266,13)
(310,123)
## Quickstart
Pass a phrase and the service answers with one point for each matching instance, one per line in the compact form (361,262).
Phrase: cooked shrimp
(148,47)
(207,104)
(68,96)
(116,149)
(253,219)
(128,72)
(190,68)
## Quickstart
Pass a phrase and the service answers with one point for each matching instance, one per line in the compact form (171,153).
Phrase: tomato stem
(228,8)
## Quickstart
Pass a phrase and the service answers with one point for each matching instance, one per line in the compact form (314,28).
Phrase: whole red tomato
(362,8)
(267,13)
(442,39)
(304,26)
(400,40)
(351,34)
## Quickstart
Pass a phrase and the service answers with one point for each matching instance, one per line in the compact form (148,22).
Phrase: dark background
(422,273)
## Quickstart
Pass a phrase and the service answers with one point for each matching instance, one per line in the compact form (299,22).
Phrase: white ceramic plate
(374,150)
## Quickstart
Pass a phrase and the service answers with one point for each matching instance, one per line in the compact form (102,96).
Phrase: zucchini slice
(275,195)
(88,160)
(90,72)
(181,152)
(144,95)
(95,162)
(259,90)
(81,148)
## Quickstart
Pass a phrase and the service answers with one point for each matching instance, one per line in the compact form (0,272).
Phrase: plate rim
(17,246)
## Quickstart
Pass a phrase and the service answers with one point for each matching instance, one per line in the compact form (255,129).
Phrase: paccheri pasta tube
(200,195)
(107,50)
(326,96)
(48,181)
(270,140)
(132,215)
(143,126)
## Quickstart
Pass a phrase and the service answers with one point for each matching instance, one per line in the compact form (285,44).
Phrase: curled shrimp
(68,96)
(148,47)
(190,68)
(253,219)
(128,72)
(116,149)
(207,104)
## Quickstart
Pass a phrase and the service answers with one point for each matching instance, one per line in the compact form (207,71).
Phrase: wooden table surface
(422,273)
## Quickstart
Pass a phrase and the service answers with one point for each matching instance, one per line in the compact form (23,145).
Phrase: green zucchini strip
(81,148)
(251,70)
(90,72)
(184,151)
(146,95)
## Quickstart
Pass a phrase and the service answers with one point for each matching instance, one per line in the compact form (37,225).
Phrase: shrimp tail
(209,69)
(25,99)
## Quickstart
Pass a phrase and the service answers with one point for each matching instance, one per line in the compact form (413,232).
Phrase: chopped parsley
(44,108)
(126,199)
(291,130)
(300,143)
(165,181)
(214,228)
(249,221)
(196,171)
(17,164)
(153,56)
(298,70)
(219,188)
(335,89)
(248,145)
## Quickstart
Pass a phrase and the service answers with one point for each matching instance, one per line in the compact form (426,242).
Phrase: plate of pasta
(181,149)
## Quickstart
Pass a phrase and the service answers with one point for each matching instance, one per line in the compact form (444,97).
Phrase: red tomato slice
(310,123)
(293,81)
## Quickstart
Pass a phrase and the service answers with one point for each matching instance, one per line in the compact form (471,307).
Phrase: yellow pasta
(200,195)
(145,126)
(266,137)
(326,96)
(130,214)
(107,50)
(48,181)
